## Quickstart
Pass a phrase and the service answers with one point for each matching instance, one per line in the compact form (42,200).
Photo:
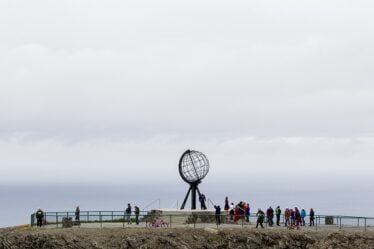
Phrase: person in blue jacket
(303,214)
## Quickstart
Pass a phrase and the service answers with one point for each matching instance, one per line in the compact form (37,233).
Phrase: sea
(332,195)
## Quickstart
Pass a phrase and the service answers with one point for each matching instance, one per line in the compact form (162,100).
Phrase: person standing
(137,212)
(227,205)
(39,217)
(218,215)
(297,217)
(247,212)
(128,213)
(270,216)
(202,200)
(303,214)
(232,211)
(260,218)
(287,215)
(236,213)
(292,216)
(77,215)
(278,212)
(311,217)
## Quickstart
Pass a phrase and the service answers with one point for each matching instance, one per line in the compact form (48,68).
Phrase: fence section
(196,219)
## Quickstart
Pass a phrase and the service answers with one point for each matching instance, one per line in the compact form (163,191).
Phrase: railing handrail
(102,212)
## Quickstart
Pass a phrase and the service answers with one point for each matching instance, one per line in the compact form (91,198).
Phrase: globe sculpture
(193,167)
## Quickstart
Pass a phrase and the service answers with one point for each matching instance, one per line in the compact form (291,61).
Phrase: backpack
(278,211)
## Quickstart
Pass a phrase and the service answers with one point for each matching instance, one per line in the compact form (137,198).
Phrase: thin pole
(101,224)
(340,225)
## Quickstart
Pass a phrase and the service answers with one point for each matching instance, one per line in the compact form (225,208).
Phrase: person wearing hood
(303,214)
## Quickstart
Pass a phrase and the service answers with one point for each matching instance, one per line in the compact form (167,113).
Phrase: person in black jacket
(278,213)
(311,216)
(270,216)
(202,200)
(260,218)
(39,217)
(218,214)
(77,215)
(128,213)
(137,212)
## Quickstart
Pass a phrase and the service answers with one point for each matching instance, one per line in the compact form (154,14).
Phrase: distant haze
(113,92)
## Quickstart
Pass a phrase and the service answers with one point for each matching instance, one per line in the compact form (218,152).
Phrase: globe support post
(193,196)
(193,189)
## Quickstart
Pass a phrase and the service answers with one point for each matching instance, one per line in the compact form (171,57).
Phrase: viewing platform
(176,218)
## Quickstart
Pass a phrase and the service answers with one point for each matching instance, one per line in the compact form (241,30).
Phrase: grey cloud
(117,75)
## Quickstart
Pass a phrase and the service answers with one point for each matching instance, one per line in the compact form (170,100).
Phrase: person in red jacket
(287,215)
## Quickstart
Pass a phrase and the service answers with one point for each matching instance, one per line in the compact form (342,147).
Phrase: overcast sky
(114,91)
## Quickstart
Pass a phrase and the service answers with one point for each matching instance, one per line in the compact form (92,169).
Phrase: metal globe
(193,166)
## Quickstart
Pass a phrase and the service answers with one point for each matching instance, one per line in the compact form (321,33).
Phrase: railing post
(145,217)
(358,221)
(123,223)
(170,221)
(56,220)
(88,215)
(365,225)
(340,223)
(112,216)
(100,218)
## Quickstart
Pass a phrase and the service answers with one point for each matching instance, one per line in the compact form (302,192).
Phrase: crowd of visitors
(292,217)
(296,217)
(234,212)
(238,211)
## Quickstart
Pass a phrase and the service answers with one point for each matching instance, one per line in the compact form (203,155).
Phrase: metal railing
(196,219)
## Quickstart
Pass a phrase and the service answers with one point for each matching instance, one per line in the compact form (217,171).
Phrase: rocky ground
(80,238)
